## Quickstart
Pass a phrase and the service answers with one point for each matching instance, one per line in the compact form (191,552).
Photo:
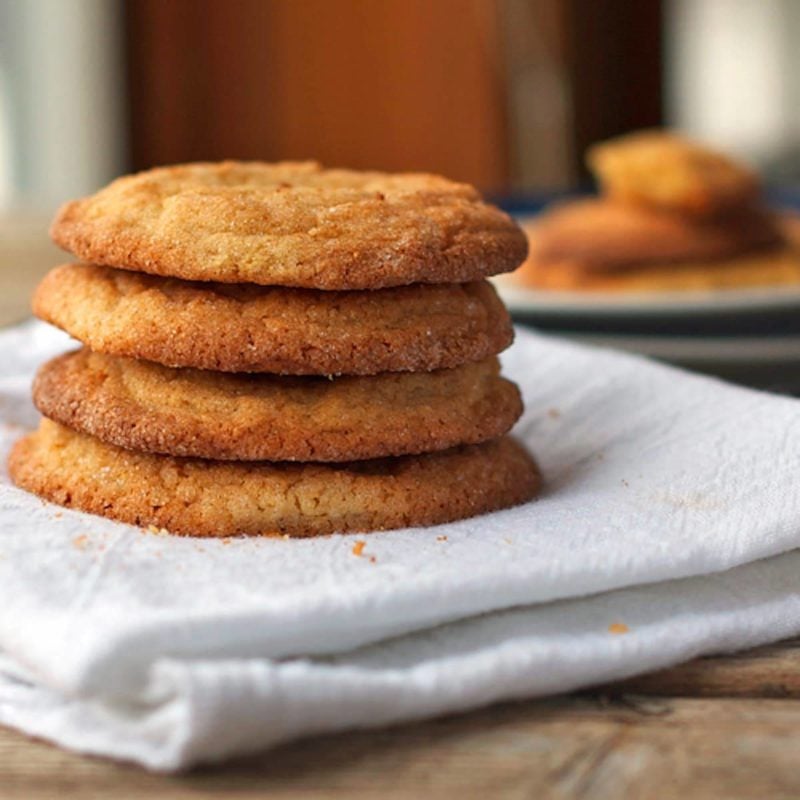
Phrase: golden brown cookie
(773,268)
(604,236)
(246,328)
(292,224)
(211,498)
(667,171)
(185,412)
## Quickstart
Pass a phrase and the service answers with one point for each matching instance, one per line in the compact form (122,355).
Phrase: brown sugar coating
(139,405)
(292,224)
(210,498)
(604,236)
(246,328)
(668,171)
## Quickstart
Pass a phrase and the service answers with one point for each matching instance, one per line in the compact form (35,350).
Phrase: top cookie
(661,169)
(292,224)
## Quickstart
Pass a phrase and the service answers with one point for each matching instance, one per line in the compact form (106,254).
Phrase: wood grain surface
(702,730)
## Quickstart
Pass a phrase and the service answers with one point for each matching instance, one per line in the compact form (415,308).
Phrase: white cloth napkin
(171,651)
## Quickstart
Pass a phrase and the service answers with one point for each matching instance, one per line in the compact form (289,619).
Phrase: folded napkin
(170,651)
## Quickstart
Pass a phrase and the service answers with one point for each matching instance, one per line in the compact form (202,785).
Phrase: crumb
(625,483)
(441,538)
(80,542)
(508,541)
(157,531)
(358,547)
(618,627)
(553,413)
(58,515)
(372,560)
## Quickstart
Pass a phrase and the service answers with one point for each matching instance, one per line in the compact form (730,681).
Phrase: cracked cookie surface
(292,224)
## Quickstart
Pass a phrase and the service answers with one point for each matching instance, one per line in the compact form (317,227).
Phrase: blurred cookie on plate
(672,216)
(667,171)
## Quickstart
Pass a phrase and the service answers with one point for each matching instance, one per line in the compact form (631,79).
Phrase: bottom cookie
(210,498)
(773,268)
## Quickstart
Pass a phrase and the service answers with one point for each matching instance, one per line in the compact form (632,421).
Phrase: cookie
(666,171)
(292,224)
(246,328)
(185,412)
(603,235)
(213,498)
(774,268)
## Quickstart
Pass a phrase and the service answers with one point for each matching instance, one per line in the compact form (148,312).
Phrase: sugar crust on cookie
(142,406)
(219,499)
(246,328)
(292,224)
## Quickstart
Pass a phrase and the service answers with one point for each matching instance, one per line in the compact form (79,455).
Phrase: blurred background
(506,94)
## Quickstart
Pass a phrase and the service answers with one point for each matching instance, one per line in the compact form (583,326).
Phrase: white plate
(521,300)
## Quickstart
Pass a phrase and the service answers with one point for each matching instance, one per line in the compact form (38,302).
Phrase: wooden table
(714,728)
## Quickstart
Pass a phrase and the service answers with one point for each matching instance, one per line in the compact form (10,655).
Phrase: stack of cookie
(278,349)
(672,216)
